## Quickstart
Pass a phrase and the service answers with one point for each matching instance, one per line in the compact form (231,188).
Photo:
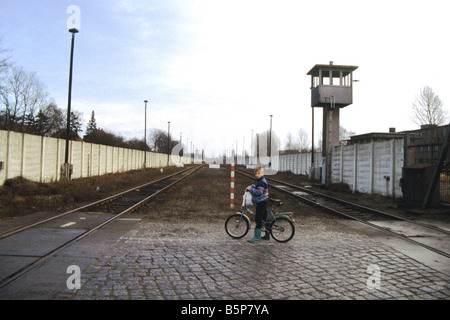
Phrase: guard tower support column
(330,138)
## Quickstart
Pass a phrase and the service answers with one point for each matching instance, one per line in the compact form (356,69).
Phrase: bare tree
(159,139)
(299,142)
(290,143)
(34,98)
(10,95)
(303,140)
(25,105)
(428,108)
(345,134)
(22,95)
(4,62)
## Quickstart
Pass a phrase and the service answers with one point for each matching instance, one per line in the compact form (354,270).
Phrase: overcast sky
(218,69)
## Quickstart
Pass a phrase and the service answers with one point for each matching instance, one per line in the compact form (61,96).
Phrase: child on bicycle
(260,194)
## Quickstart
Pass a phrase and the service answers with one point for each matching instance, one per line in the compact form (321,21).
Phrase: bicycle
(280,225)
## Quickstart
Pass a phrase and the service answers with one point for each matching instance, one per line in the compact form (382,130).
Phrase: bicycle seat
(276,201)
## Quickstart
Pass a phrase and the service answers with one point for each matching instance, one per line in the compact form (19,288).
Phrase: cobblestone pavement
(189,260)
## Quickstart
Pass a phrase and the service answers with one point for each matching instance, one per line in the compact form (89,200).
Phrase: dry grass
(206,196)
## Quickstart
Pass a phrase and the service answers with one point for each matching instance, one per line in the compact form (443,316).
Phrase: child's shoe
(257,236)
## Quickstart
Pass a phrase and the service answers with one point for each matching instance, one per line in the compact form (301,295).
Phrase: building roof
(376,136)
(347,69)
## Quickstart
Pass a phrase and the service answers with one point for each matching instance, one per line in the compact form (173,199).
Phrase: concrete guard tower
(331,89)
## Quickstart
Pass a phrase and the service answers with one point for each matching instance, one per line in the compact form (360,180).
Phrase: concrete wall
(298,163)
(40,158)
(373,167)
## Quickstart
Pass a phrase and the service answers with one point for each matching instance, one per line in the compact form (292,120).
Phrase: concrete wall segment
(40,158)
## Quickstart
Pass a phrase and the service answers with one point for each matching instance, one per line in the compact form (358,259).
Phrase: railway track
(399,226)
(109,209)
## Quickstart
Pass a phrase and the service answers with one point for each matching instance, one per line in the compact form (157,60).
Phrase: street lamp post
(66,170)
(145,135)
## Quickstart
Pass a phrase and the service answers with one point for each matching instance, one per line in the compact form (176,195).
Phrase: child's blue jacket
(260,192)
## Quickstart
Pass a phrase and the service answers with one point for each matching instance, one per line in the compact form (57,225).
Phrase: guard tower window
(327,77)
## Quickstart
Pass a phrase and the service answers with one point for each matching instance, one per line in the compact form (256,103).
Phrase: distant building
(423,146)
(421,152)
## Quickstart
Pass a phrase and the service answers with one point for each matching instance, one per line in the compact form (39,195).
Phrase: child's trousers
(260,214)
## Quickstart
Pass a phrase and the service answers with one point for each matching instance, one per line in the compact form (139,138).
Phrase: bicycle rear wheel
(282,229)
(237,226)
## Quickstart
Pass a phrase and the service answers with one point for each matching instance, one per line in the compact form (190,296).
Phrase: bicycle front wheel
(237,226)
(282,229)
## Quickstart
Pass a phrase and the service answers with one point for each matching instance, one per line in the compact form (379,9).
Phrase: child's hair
(259,169)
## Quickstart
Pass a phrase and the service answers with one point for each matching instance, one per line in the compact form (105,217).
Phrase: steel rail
(334,211)
(348,203)
(365,208)
(93,204)
(47,257)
